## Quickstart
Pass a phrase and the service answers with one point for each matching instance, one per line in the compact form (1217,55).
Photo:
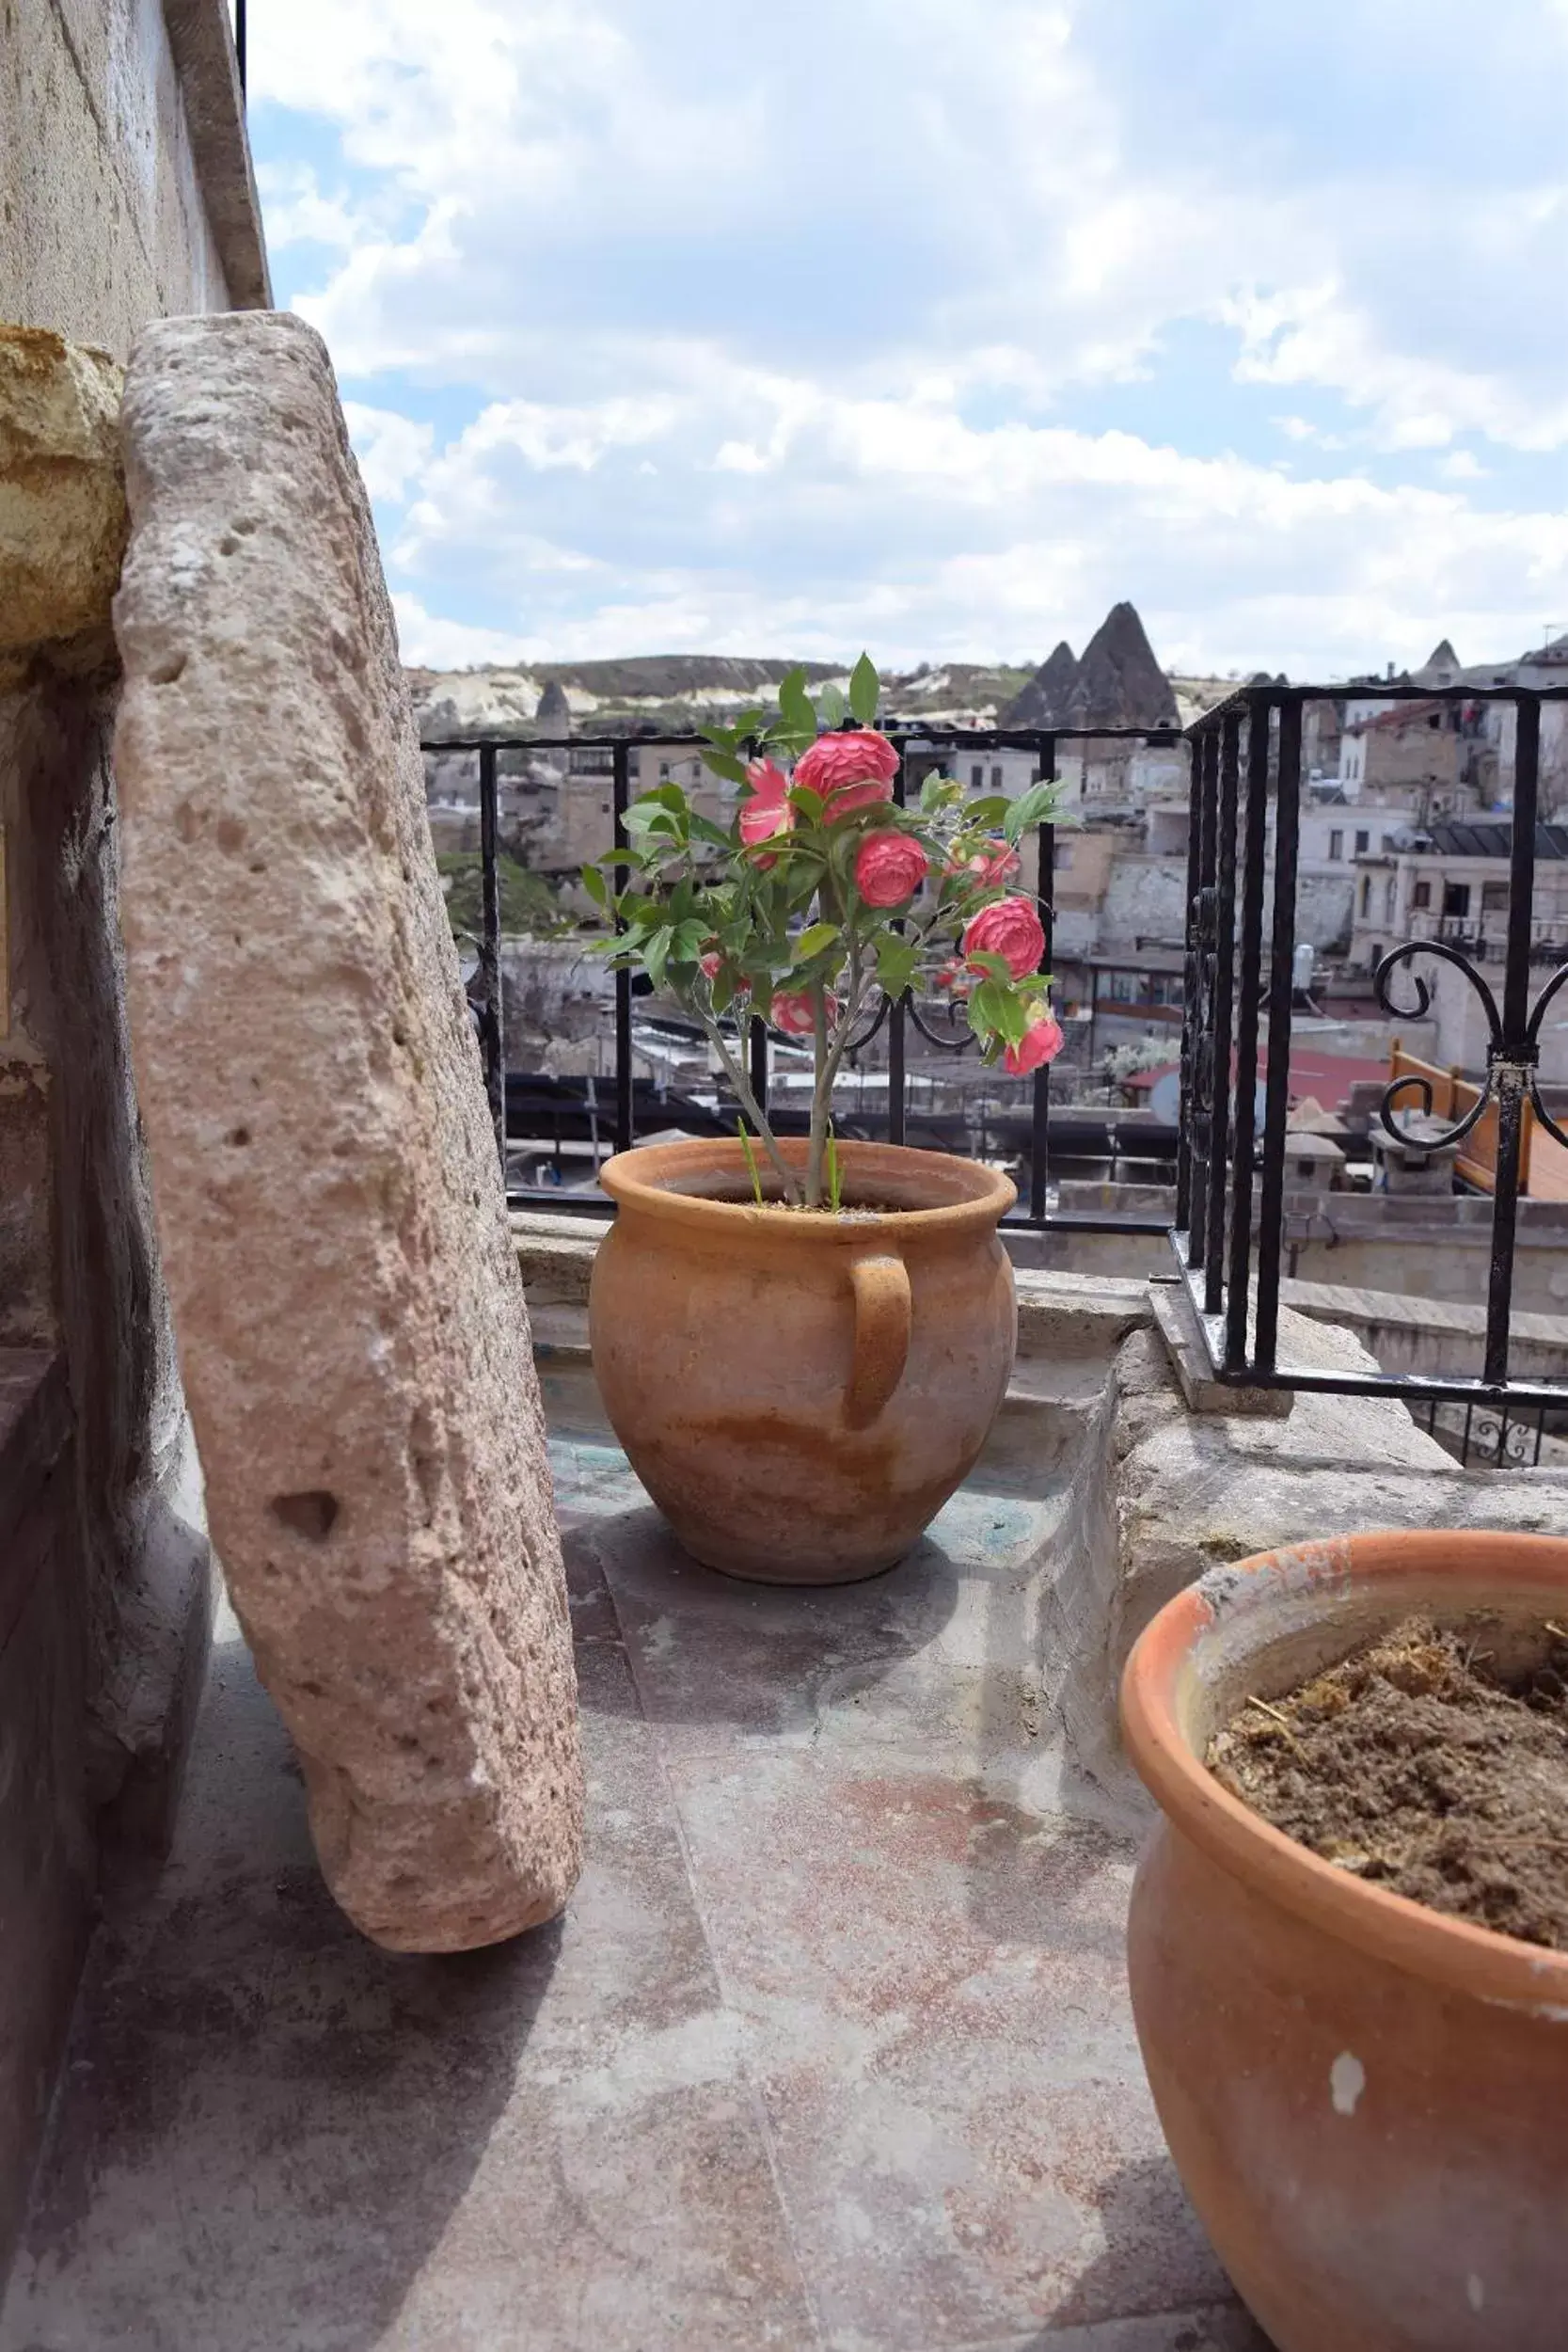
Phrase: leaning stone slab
(349,1312)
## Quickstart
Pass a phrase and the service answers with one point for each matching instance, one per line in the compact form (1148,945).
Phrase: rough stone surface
(1046,701)
(350,1319)
(62,502)
(1119,684)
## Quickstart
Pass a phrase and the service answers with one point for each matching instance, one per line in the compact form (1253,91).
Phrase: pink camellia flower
(889,868)
(1042,1041)
(995,864)
(849,772)
(768,811)
(793,1012)
(1010,928)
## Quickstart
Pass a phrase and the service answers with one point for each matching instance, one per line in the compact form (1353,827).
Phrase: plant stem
(829,1061)
(737,1075)
(821,1093)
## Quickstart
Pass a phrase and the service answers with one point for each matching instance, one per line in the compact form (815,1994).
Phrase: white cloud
(427,642)
(1315,337)
(297,213)
(390,448)
(1462,464)
(900,524)
(774,321)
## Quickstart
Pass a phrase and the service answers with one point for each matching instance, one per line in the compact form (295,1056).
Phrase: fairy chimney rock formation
(554,714)
(1047,700)
(1119,683)
(349,1314)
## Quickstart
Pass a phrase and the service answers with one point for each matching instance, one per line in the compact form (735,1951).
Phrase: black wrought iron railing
(927,746)
(1245,793)
(1240,994)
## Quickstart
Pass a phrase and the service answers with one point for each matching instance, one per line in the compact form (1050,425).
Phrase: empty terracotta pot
(801,1392)
(1366,2101)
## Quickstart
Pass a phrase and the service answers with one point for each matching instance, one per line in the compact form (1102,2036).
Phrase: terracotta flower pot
(800,1393)
(1367,2100)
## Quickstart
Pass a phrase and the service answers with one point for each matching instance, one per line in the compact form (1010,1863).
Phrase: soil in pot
(1433,1762)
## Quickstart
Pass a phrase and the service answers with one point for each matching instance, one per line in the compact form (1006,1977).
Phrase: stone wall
(1432,1337)
(1423,1247)
(125,193)
(125,189)
(1325,906)
(1146,897)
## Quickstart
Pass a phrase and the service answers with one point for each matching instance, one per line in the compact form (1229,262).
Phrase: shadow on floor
(712,1651)
(268,2121)
(1144,2208)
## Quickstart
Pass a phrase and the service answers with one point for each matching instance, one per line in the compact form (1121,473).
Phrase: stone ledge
(1176,1319)
(1334,1302)
(1163,1494)
(1072,1314)
(203,50)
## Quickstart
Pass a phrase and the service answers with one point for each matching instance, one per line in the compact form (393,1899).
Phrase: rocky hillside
(674,692)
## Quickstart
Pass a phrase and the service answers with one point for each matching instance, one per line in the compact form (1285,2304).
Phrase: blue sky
(937,325)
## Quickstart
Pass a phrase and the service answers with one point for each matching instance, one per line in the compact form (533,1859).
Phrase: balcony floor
(832,2050)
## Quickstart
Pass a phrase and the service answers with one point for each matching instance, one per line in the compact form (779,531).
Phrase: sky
(936,327)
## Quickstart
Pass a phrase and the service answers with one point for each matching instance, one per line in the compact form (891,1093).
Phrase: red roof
(1329,1076)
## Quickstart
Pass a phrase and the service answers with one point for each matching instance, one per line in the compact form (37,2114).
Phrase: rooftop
(833,2048)
(1495,840)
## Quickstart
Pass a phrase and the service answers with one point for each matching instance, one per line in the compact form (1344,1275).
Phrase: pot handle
(881,1288)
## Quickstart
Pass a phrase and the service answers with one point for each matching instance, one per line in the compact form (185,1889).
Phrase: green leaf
(727,765)
(794,705)
(995,967)
(816,941)
(993,808)
(897,959)
(702,829)
(831,706)
(656,953)
(938,792)
(1012,1020)
(866,689)
(690,942)
(668,795)
(807,801)
(596,886)
(1031,808)
(993,1010)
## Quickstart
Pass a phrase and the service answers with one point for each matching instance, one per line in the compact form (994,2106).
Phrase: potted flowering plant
(822,893)
(801,1343)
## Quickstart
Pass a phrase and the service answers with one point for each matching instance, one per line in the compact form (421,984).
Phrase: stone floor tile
(941,2032)
(1218,2328)
(935,1652)
(273,2135)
